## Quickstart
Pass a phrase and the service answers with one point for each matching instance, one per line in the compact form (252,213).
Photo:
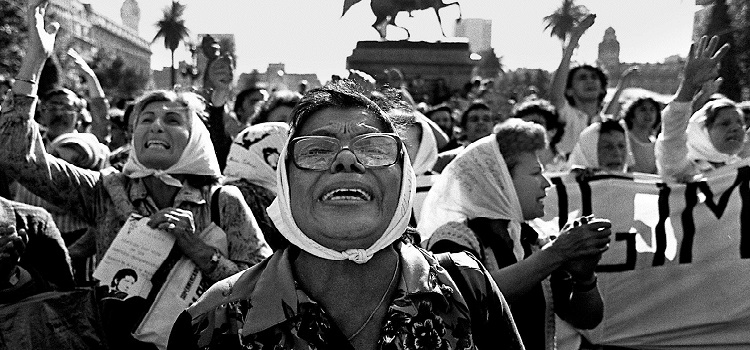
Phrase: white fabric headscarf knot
(427,155)
(255,152)
(198,157)
(699,145)
(477,184)
(280,212)
(585,153)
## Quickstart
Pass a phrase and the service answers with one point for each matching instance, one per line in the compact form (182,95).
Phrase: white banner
(677,274)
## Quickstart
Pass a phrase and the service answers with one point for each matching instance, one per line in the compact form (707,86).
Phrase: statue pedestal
(430,61)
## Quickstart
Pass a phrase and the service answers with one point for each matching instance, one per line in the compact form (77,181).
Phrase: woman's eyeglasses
(317,153)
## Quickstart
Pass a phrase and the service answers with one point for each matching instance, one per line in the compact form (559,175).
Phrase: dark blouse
(265,308)
(528,310)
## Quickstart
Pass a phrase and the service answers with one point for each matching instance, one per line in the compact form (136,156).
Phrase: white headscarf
(427,154)
(699,145)
(280,212)
(475,184)
(248,156)
(585,153)
(198,157)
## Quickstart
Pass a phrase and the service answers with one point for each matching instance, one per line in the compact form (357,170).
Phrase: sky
(311,36)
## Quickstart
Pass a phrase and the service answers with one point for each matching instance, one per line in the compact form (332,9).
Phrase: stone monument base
(429,61)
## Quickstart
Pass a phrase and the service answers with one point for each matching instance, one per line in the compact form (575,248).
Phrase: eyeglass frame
(399,145)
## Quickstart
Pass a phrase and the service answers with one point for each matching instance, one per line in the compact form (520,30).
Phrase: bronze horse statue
(385,11)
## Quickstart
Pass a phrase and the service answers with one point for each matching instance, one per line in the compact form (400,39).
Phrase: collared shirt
(265,308)
(105,199)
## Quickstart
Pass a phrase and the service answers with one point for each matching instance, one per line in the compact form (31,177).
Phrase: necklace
(382,299)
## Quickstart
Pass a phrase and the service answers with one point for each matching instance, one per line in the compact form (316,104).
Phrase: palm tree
(172,29)
(562,21)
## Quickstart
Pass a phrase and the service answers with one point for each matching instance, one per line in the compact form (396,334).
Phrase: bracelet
(30,81)
(584,286)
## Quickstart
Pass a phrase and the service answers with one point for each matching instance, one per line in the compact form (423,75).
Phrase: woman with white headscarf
(251,167)
(421,145)
(603,146)
(714,136)
(351,277)
(481,205)
(169,178)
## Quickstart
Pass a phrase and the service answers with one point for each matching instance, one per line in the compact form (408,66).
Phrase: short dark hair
(439,108)
(610,125)
(599,73)
(515,137)
(60,91)
(631,107)
(540,107)
(341,94)
(122,273)
(277,99)
(244,94)
(476,105)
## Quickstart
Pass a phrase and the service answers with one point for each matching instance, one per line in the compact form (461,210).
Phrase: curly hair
(343,94)
(630,108)
(516,137)
(476,105)
(277,99)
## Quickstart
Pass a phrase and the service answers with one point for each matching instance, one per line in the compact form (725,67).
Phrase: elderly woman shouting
(351,278)
(169,178)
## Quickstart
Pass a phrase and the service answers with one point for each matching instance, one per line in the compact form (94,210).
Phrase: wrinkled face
(612,151)
(59,114)
(645,115)
(444,120)
(125,283)
(280,114)
(347,206)
(412,138)
(585,86)
(530,185)
(479,123)
(727,132)
(161,134)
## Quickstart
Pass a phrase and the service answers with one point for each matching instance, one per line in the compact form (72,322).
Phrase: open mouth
(347,194)
(157,144)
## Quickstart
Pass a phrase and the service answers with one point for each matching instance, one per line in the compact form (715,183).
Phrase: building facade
(86,31)
(662,78)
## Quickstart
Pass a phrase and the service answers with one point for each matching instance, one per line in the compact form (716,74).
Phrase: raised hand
(41,36)
(12,246)
(582,26)
(703,61)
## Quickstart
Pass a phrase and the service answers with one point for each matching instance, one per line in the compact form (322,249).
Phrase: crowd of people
(324,239)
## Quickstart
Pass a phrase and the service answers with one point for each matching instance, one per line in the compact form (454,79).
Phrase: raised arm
(671,145)
(22,152)
(613,107)
(557,90)
(99,103)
